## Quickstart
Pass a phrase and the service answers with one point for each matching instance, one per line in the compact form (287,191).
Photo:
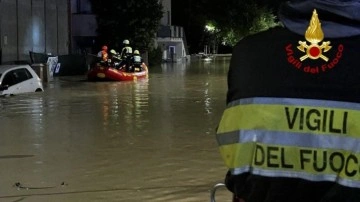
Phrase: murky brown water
(150,140)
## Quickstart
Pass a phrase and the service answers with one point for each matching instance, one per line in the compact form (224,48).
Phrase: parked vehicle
(16,79)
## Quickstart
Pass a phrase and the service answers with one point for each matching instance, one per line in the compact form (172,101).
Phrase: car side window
(16,76)
(8,79)
(21,75)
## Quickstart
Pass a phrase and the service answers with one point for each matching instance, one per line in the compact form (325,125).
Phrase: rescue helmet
(112,51)
(127,42)
(105,48)
(136,52)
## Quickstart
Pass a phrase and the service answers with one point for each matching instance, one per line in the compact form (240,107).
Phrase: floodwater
(149,140)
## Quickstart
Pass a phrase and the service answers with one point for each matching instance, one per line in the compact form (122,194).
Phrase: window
(8,80)
(81,6)
(16,76)
(22,75)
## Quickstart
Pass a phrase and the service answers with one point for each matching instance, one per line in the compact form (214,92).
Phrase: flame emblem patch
(314,55)
(314,35)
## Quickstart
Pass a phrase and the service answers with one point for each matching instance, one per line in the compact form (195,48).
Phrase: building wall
(24,34)
(83,26)
(37,28)
(166,19)
(81,6)
(63,27)
(33,25)
(8,30)
(51,22)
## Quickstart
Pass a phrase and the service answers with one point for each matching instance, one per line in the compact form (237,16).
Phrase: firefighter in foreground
(291,129)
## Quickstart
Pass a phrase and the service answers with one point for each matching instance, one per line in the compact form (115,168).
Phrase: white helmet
(136,52)
(127,42)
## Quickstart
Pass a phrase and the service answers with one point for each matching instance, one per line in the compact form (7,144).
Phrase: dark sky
(179,9)
(185,13)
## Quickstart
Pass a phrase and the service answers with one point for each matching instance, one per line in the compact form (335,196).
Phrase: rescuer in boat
(115,59)
(290,132)
(126,54)
(103,54)
(136,61)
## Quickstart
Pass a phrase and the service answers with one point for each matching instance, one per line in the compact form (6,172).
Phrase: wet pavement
(149,140)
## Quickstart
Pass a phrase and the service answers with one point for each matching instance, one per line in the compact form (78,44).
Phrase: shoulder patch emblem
(314,48)
(314,35)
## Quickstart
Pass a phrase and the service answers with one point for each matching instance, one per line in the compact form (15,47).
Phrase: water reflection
(218,66)
(150,140)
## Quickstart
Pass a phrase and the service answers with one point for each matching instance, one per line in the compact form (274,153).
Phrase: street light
(210,28)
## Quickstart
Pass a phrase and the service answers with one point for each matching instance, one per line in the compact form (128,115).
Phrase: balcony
(173,32)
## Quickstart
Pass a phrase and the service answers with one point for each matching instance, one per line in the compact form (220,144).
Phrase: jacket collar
(339,18)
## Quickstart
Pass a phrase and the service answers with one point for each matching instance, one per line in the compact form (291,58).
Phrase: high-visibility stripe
(307,163)
(302,175)
(296,101)
(292,118)
(310,139)
(290,139)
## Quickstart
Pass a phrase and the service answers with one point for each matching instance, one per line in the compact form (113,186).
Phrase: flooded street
(149,140)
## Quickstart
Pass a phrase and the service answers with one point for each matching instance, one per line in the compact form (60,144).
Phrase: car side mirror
(5,87)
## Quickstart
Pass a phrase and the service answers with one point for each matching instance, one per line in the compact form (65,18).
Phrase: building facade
(33,25)
(61,27)
(171,39)
(83,26)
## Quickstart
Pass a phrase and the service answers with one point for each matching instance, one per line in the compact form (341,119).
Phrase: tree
(242,17)
(233,19)
(135,20)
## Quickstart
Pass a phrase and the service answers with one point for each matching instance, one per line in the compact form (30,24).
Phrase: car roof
(4,68)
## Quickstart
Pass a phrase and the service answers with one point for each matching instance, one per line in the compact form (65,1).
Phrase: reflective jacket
(103,55)
(126,51)
(292,115)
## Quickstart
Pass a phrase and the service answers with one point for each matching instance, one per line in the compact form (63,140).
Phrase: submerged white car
(16,79)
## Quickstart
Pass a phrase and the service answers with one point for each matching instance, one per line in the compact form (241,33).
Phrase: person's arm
(123,52)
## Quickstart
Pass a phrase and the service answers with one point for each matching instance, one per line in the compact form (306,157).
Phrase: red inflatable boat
(103,73)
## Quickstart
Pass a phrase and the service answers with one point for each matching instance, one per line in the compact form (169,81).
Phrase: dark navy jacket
(268,64)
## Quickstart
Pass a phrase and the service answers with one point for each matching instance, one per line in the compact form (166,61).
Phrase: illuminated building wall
(33,25)
(166,19)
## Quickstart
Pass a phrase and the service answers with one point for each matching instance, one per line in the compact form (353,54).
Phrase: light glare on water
(149,140)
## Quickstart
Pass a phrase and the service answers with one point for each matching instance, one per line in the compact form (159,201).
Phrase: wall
(33,25)
(166,19)
(81,6)
(83,27)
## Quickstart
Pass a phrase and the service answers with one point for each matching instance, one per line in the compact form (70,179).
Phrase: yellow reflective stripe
(237,155)
(290,118)
(294,161)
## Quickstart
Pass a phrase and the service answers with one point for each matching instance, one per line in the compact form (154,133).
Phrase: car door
(18,81)
(25,80)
